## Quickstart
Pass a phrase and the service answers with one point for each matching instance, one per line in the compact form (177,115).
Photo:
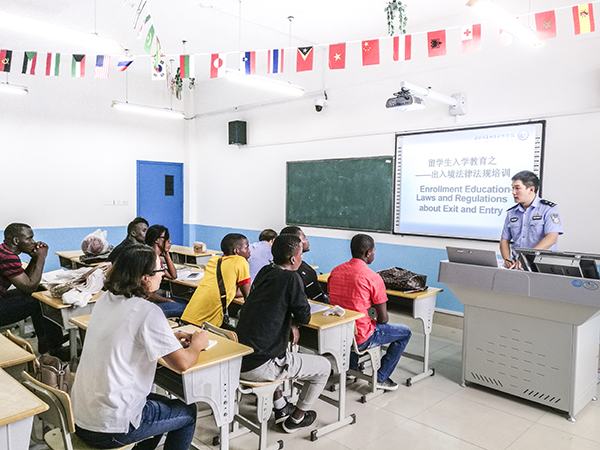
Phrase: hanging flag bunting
(248,63)
(124,62)
(506,38)
(102,66)
(545,24)
(157,54)
(370,52)
(275,59)
(159,72)
(149,40)
(583,18)
(406,47)
(436,43)
(78,66)
(186,66)
(29,61)
(304,59)
(471,38)
(5,60)
(217,65)
(52,64)
(337,56)
(144,23)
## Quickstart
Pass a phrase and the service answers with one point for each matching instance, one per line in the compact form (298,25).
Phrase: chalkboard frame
(386,187)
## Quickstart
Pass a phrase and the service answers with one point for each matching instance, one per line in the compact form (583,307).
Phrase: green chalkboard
(353,193)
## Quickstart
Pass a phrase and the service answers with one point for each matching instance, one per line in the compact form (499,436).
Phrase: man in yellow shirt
(206,305)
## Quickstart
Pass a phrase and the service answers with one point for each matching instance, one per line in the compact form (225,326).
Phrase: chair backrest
(220,331)
(60,413)
(33,366)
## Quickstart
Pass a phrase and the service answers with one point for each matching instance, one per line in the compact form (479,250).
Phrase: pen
(412,291)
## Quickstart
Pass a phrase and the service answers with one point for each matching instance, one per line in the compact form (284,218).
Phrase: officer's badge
(537,217)
(555,218)
(514,219)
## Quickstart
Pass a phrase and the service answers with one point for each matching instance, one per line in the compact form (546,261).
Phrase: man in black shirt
(136,234)
(312,287)
(276,303)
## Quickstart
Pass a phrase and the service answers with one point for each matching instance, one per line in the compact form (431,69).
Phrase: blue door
(160,196)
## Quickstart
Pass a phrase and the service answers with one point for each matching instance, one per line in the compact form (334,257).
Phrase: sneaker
(387,385)
(290,427)
(283,413)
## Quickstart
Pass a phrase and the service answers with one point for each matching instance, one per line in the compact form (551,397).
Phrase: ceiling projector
(405,101)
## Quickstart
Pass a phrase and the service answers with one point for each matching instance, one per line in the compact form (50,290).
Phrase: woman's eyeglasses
(162,269)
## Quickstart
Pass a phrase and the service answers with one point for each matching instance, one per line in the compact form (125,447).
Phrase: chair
(373,357)
(60,414)
(264,396)
(32,366)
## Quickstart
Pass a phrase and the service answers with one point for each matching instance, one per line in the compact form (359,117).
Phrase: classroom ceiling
(211,26)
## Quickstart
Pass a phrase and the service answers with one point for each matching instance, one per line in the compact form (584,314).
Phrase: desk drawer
(169,381)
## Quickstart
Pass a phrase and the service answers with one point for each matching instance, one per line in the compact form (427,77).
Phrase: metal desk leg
(423,309)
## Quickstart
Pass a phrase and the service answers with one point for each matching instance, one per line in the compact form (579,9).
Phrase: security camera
(320,103)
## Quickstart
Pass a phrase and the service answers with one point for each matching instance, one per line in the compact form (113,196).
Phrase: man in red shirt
(17,304)
(354,286)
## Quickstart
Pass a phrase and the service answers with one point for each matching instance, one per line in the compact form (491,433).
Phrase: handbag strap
(222,290)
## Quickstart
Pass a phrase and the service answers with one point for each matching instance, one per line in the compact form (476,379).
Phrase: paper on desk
(188,275)
(315,307)
(52,277)
(211,344)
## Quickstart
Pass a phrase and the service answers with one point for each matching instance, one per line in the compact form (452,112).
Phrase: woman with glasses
(127,334)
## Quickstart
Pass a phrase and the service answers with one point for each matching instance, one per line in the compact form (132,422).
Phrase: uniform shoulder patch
(509,209)
(547,202)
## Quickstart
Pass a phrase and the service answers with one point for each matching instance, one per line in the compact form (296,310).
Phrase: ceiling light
(151,110)
(506,21)
(264,83)
(46,30)
(13,89)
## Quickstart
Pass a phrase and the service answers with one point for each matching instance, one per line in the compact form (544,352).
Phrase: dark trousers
(17,305)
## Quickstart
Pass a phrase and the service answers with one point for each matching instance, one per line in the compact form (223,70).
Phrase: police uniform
(526,228)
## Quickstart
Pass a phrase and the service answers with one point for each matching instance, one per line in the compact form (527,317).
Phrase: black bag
(398,279)
(55,373)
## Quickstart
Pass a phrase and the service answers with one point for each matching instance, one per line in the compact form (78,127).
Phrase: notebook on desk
(472,256)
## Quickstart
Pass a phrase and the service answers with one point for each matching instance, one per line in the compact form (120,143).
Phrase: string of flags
(49,64)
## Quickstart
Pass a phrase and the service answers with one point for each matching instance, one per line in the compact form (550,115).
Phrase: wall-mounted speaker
(237,132)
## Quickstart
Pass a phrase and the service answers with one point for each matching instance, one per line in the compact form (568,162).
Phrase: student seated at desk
(18,304)
(224,273)
(265,323)
(126,335)
(136,234)
(261,251)
(354,286)
(312,287)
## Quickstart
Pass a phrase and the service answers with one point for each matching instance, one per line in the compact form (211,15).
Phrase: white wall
(559,82)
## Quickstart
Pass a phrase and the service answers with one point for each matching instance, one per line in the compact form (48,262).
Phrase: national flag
(143,25)
(304,59)
(337,56)
(186,66)
(159,71)
(407,47)
(157,53)
(149,40)
(545,24)
(217,65)
(370,52)
(248,63)
(78,66)
(29,61)
(436,43)
(52,64)
(583,18)
(471,38)
(506,38)
(102,66)
(275,64)
(5,60)
(124,62)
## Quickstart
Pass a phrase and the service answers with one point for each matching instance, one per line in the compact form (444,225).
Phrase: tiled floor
(435,413)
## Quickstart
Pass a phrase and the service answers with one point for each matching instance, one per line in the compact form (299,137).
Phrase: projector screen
(457,183)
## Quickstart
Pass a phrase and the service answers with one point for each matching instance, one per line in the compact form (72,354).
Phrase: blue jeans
(160,415)
(175,309)
(397,335)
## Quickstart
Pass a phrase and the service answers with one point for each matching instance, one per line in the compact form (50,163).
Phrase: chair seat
(55,441)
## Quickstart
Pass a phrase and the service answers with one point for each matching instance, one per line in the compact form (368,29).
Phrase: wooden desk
(58,312)
(70,259)
(16,414)
(186,255)
(184,288)
(331,335)
(423,308)
(13,358)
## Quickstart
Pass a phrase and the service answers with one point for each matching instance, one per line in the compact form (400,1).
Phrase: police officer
(532,223)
